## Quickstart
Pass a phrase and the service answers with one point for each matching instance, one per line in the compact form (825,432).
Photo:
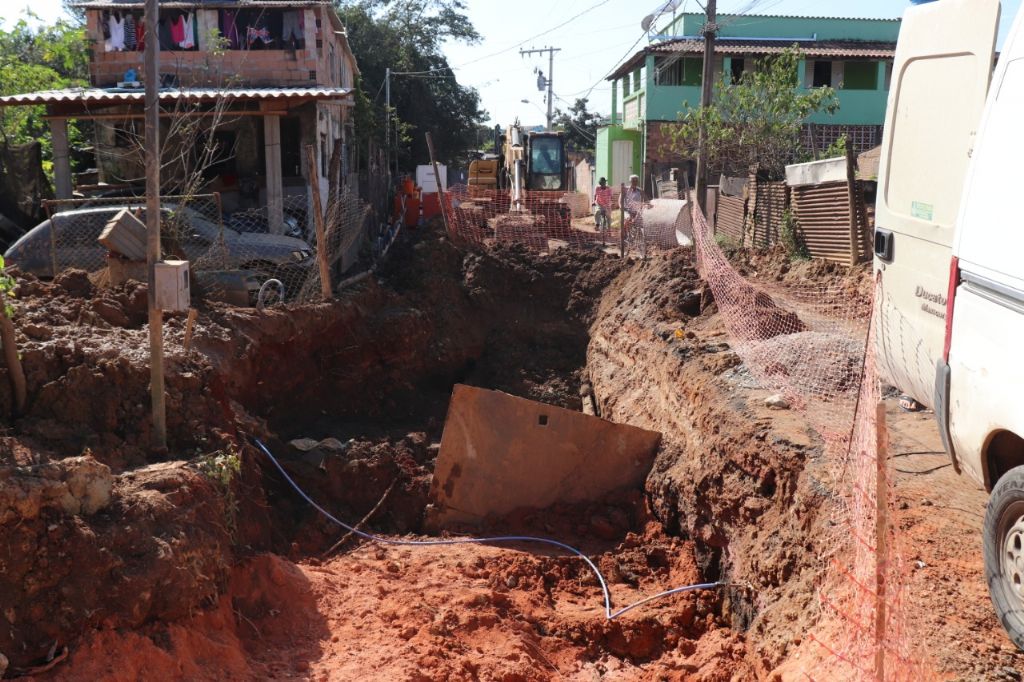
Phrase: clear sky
(591,45)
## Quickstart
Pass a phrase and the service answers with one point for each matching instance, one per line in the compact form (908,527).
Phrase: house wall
(604,162)
(826,28)
(212,67)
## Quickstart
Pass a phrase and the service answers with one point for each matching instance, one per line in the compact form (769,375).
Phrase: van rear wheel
(1004,552)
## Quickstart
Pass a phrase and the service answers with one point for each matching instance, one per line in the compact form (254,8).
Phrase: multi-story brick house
(653,88)
(265,78)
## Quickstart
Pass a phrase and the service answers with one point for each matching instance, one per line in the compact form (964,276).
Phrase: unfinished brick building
(262,78)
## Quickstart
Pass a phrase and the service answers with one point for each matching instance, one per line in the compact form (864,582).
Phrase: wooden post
(437,179)
(851,190)
(190,325)
(881,536)
(710,30)
(152,138)
(318,221)
(622,220)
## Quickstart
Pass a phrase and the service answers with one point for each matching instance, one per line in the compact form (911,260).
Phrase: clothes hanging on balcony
(164,35)
(188,30)
(116,26)
(293,28)
(178,30)
(131,41)
(229,29)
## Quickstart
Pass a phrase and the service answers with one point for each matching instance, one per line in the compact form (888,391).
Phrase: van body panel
(940,79)
(986,371)
(986,367)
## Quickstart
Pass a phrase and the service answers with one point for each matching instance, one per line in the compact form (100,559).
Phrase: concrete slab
(500,453)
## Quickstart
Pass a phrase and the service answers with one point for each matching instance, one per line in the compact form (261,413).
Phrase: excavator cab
(546,162)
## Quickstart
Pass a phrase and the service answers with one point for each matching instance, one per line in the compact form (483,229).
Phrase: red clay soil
(165,578)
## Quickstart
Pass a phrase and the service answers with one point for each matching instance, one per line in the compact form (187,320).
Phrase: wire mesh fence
(232,258)
(814,344)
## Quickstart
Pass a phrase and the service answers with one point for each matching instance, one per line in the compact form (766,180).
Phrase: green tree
(580,126)
(407,36)
(756,121)
(38,57)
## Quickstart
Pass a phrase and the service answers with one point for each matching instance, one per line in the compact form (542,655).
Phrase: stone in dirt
(776,402)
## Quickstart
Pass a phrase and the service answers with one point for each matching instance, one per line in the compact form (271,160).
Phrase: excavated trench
(133,562)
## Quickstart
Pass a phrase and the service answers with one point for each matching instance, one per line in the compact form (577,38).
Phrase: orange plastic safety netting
(546,221)
(813,344)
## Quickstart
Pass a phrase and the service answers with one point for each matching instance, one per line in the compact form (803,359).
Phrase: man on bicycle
(603,201)
(633,199)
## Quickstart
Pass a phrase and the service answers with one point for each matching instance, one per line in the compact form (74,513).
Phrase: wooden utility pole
(318,222)
(707,84)
(156,318)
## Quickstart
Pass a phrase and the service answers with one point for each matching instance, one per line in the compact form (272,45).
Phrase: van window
(926,165)
(992,234)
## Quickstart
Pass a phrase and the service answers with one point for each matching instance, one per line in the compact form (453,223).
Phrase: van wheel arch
(1004,451)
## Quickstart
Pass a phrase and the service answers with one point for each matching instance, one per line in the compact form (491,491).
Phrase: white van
(949,251)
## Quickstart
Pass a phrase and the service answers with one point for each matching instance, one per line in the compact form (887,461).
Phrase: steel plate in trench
(500,453)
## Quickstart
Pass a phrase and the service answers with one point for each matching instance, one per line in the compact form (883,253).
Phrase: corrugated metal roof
(119,95)
(849,49)
(818,48)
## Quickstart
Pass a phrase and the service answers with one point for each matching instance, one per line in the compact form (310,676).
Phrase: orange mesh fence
(546,221)
(821,360)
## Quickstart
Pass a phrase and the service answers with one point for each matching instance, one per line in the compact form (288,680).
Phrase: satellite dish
(663,8)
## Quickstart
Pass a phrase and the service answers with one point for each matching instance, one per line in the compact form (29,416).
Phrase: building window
(625,86)
(822,75)
(861,76)
(677,71)
(637,81)
(736,69)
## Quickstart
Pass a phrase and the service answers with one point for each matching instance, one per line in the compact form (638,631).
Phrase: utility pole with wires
(550,77)
(156,316)
(710,30)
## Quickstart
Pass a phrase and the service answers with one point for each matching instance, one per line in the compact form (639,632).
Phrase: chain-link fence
(232,257)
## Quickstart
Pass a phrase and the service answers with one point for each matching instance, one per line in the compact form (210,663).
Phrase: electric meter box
(173,292)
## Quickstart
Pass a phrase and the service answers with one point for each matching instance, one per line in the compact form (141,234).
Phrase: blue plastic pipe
(609,614)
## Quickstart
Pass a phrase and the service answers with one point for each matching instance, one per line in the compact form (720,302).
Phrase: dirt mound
(89,552)
(734,478)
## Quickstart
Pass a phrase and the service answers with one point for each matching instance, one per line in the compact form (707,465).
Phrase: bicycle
(634,237)
(602,220)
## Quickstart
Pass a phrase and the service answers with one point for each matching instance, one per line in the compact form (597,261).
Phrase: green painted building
(651,89)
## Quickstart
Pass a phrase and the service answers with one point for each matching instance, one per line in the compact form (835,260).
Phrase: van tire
(1004,552)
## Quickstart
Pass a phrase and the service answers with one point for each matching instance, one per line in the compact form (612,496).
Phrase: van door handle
(884,244)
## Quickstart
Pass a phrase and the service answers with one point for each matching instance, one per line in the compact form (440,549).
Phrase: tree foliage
(408,36)
(39,57)
(756,121)
(580,126)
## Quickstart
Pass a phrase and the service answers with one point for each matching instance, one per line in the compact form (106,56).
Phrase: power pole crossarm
(710,30)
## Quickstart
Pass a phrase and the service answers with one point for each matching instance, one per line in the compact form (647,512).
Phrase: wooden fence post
(851,190)
(318,221)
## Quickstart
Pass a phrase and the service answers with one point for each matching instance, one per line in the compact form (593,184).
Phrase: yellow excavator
(530,165)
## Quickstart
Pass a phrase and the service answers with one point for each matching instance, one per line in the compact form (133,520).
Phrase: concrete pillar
(275,183)
(882,69)
(61,158)
(615,102)
(801,74)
